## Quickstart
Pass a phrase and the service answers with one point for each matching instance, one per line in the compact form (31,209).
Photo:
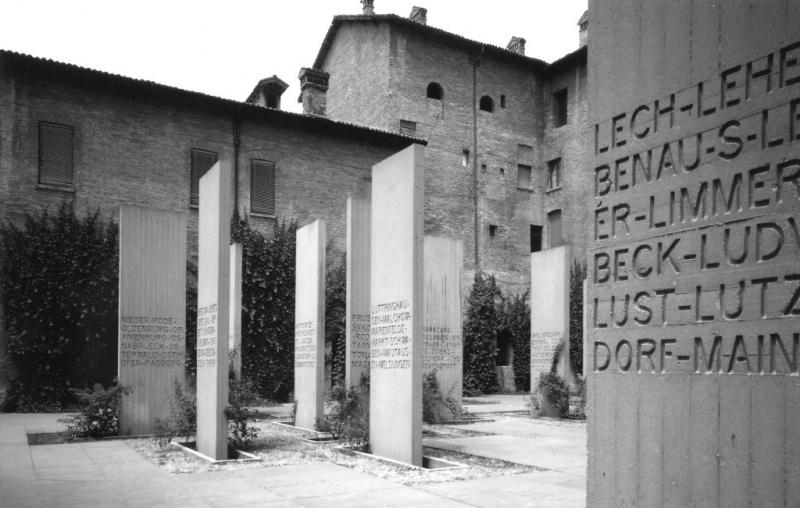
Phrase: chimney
(368,7)
(583,29)
(313,85)
(419,15)
(267,92)
(516,45)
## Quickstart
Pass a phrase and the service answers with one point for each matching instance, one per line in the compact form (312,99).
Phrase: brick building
(102,140)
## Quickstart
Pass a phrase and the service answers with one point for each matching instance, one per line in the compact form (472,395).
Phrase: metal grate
(262,187)
(202,161)
(55,154)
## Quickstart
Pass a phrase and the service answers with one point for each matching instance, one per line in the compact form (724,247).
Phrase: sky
(224,48)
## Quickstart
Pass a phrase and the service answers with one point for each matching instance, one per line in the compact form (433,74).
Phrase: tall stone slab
(213,288)
(396,343)
(549,311)
(152,313)
(694,266)
(309,324)
(235,318)
(357,299)
(443,338)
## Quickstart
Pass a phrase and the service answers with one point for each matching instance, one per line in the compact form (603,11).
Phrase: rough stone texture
(549,311)
(309,324)
(235,317)
(213,287)
(134,147)
(357,298)
(396,343)
(443,338)
(694,319)
(152,314)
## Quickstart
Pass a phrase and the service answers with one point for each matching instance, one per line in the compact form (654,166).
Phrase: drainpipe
(476,228)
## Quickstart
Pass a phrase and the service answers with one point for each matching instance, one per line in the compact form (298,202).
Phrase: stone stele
(357,300)
(444,346)
(396,344)
(309,324)
(694,265)
(213,288)
(152,313)
(549,311)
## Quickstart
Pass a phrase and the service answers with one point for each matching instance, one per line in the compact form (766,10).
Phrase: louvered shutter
(55,154)
(262,187)
(202,160)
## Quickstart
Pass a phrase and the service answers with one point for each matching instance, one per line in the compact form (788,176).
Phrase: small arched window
(435,91)
(487,104)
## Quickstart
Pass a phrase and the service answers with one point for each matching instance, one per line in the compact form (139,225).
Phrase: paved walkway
(110,473)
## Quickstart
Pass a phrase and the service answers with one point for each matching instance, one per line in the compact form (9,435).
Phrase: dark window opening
(465,157)
(554,174)
(502,171)
(560,107)
(262,187)
(492,230)
(487,104)
(502,101)
(202,160)
(523,176)
(435,91)
(273,102)
(554,228)
(55,154)
(408,128)
(483,168)
(536,238)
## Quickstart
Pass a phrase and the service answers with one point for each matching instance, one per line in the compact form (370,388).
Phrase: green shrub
(58,278)
(268,308)
(191,321)
(515,315)
(348,419)
(577,274)
(552,390)
(241,395)
(437,408)
(100,413)
(480,330)
(182,420)
(336,313)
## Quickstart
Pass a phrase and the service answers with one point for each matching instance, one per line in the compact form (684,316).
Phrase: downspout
(237,134)
(476,228)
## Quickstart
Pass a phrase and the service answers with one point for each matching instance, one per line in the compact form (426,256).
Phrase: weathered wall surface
(694,272)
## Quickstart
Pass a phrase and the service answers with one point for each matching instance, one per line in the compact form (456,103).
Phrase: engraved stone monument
(235,318)
(444,347)
(309,324)
(396,343)
(357,300)
(152,313)
(694,266)
(213,288)
(549,312)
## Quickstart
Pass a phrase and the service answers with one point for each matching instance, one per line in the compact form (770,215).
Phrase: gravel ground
(278,446)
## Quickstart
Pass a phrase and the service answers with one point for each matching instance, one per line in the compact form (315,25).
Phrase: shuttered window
(55,154)
(202,160)
(262,187)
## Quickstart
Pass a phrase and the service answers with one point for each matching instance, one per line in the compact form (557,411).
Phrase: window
(492,230)
(202,160)
(55,154)
(483,168)
(560,107)
(523,176)
(502,171)
(408,128)
(502,101)
(487,104)
(536,238)
(273,101)
(554,228)
(262,187)
(554,174)
(435,91)
(465,157)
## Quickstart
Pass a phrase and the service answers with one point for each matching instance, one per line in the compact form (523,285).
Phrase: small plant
(241,396)
(435,407)
(348,420)
(100,414)
(551,396)
(182,420)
